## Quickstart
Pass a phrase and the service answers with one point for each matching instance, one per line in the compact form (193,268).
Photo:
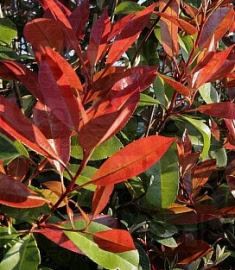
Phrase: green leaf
(7,234)
(127,7)
(8,54)
(103,151)
(8,31)
(159,90)
(125,260)
(186,44)
(168,242)
(208,93)
(21,148)
(164,181)
(7,149)
(146,100)
(220,155)
(204,131)
(23,255)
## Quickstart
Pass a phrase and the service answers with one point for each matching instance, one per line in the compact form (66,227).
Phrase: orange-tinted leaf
(15,194)
(201,213)
(132,160)
(208,66)
(98,39)
(18,168)
(107,117)
(114,240)
(169,30)
(44,32)
(129,33)
(177,86)
(57,133)
(216,26)
(15,71)
(79,18)
(187,27)
(189,251)
(220,109)
(177,209)
(19,126)
(101,198)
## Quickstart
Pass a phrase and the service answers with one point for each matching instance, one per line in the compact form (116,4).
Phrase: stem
(149,33)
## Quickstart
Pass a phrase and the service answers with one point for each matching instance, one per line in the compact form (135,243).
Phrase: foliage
(117,135)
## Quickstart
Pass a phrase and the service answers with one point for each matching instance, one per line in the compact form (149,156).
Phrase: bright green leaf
(208,93)
(8,31)
(23,255)
(146,100)
(164,181)
(127,7)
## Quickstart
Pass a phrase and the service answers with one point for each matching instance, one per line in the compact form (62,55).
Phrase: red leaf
(169,30)
(18,168)
(216,26)
(58,79)
(44,32)
(79,18)
(107,117)
(57,134)
(19,126)
(98,44)
(114,240)
(132,160)
(189,251)
(58,237)
(101,198)
(210,64)
(177,86)
(187,27)
(129,33)
(220,109)
(15,194)
(15,71)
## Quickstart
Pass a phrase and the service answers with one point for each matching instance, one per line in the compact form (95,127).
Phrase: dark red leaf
(98,44)
(129,33)
(101,198)
(15,194)
(18,168)
(15,71)
(216,26)
(44,32)
(220,109)
(19,126)
(132,160)
(114,240)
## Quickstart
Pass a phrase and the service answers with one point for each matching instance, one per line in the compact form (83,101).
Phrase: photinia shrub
(117,136)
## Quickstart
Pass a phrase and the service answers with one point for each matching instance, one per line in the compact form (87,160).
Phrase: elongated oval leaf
(114,240)
(220,110)
(44,32)
(132,160)
(15,194)
(19,126)
(7,149)
(8,31)
(24,254)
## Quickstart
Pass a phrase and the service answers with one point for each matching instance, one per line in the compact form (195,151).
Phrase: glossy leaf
(15,194)
(177,86)
(208,66)
(114,240)
(7,149)
(44,32)
(108,117)
(129,33)
(12,121)
(98,39)
(133,159)
(220,110)
(164,177)
(101,198)
(18,168)
(127,7)
(54,82)
(169,30)
(8,31)
(216,26)
(23,254)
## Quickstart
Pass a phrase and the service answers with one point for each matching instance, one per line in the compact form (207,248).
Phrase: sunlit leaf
(8,30)
(219,109)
